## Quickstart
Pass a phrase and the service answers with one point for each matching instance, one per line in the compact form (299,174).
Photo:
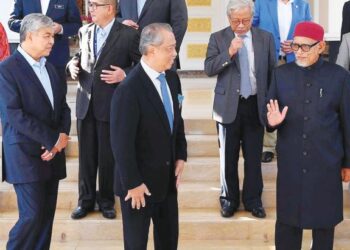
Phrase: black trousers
(290,238)
(37,205)
(95,154)
(246,131)
(165,220)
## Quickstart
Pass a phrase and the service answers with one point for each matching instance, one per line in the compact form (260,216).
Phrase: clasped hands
(60,145)
(137,195)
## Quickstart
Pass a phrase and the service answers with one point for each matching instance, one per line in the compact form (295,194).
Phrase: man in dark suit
(148,143)
(36,122)
(108,49)
(66,17)
(313,141)
(243,58)
(140,13)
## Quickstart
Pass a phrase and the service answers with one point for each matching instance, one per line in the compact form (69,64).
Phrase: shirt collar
(107,28)
(153,74)
(30,60)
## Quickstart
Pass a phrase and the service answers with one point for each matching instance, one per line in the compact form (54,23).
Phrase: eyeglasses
(304,47)
(94,6)
(237,22)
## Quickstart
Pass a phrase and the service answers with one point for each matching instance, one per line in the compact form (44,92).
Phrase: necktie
(246,87)
(166,99)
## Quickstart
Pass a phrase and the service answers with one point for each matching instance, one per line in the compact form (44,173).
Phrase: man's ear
(322,47)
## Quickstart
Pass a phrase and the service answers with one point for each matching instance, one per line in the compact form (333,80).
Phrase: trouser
(245,131)
(37,205)
(290,238)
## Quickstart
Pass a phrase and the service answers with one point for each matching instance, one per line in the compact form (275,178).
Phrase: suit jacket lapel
(37,5)
(54,87)
(110,41)
(154,98)
(257,48)
(228,36)
(51,7)
(23,64)
(145,8)
(272,7)
(132,10)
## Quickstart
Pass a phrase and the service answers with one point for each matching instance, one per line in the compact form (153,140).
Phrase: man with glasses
(108,50)
(243,58)
(313,141)
(279,17)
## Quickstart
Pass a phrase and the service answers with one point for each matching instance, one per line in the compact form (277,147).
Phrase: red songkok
(309,29)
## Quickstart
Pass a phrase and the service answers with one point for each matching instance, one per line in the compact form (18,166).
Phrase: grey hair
(33,22)
(151,35)
(239,4)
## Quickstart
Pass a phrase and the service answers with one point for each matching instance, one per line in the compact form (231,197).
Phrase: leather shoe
(258,212)
(108,213)
(227,212)
(79,213)
(267,156)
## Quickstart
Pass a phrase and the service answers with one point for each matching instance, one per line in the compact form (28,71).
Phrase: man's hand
(274,116)
(57,28)
(179,168)
(137,196)
(131,23)
(73,69)
(49,155)
(235,45)
(62,142)
(345,174)
(113,76)
(285,46)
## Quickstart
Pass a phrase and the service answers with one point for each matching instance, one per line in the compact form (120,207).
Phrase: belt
(248,98)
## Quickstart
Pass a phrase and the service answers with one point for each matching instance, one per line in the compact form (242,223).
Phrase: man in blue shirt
(36,122)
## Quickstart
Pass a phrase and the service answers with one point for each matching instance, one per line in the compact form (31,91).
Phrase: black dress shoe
(227,212)
(108,213)
(267,156)
(258,212)
(79,213)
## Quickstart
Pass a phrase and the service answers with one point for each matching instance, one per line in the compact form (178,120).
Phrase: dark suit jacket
(29,122)
(143,147)
(64,12)
(121,49)
(218,62)
(173,12)
(345,26)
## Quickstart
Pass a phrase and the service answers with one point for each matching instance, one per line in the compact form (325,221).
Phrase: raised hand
(235,45)
(274,116)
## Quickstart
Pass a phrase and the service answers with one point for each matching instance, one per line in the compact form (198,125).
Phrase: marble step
(195,224)
(339,244)
(197,169)
(197,145)
(191,195)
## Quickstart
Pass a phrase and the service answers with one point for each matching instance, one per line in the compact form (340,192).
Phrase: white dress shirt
(152,74)
(248,43)
(284,12)
(44,6)
(140,4)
